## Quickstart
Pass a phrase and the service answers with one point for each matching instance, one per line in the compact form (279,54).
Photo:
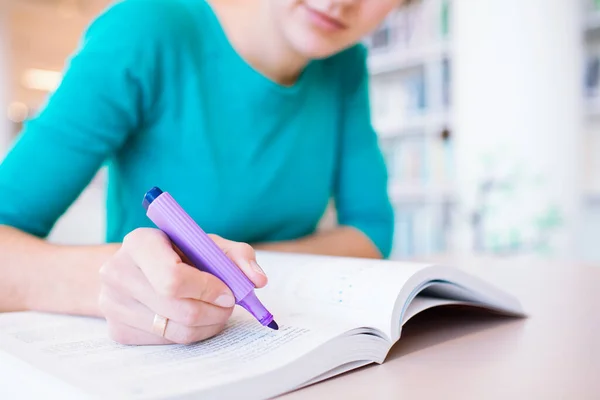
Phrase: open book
(335,315)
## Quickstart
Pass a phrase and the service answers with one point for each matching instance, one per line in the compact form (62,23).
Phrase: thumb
(244,256)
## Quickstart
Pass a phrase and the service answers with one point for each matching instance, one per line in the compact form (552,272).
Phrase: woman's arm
(99,103)
(344,241)
(127,284)
(40,276)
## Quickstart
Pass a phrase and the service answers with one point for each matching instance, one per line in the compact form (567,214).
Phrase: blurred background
(488,113)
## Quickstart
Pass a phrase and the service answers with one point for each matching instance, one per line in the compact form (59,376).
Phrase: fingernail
(257,267)
(225,300)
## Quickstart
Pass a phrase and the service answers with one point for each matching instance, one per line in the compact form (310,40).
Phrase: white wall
(518,98)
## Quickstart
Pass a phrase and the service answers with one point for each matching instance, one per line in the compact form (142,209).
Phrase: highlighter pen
(203,252)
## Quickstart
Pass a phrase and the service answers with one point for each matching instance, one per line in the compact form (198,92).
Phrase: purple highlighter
(202,251)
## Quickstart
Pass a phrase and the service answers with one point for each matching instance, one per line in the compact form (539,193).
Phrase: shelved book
(335,315)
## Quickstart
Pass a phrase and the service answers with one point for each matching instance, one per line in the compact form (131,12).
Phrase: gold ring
(159,326)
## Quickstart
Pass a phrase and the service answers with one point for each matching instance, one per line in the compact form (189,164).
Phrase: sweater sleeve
(107,89)
(361,192)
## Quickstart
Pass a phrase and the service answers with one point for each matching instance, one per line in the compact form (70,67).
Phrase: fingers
(245,257)
(125,281)
(183,281)
(130,322)
(147,277)
(127,335)
(152,252)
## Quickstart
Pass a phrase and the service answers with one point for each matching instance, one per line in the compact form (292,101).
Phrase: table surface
(445,354)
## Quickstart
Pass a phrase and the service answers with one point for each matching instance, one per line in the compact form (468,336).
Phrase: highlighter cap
(150,196)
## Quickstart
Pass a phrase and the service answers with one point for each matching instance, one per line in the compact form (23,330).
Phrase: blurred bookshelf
(591,39)
(410,64)
(591,34)
(591,88)
(592,20)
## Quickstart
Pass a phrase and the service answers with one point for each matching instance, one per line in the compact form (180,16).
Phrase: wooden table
(553,354)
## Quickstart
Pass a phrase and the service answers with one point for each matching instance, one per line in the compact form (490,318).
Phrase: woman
(252,113)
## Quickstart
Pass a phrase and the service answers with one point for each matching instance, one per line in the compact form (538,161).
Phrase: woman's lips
(323,21)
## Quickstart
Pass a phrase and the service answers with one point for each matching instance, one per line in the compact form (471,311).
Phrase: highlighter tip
(273,325)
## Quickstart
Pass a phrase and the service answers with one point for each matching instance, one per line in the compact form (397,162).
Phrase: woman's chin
(315,48)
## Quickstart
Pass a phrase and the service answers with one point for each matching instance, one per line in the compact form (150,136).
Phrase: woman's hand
(147,277)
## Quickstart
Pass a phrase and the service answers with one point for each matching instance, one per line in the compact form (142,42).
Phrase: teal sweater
(157,93)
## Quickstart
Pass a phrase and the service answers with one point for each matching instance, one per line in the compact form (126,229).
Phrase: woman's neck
(253,33)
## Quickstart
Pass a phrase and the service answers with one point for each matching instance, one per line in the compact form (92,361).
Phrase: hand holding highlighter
(202,251)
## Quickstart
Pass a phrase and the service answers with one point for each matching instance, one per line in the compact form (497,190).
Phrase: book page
(359,290)
(78,350)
